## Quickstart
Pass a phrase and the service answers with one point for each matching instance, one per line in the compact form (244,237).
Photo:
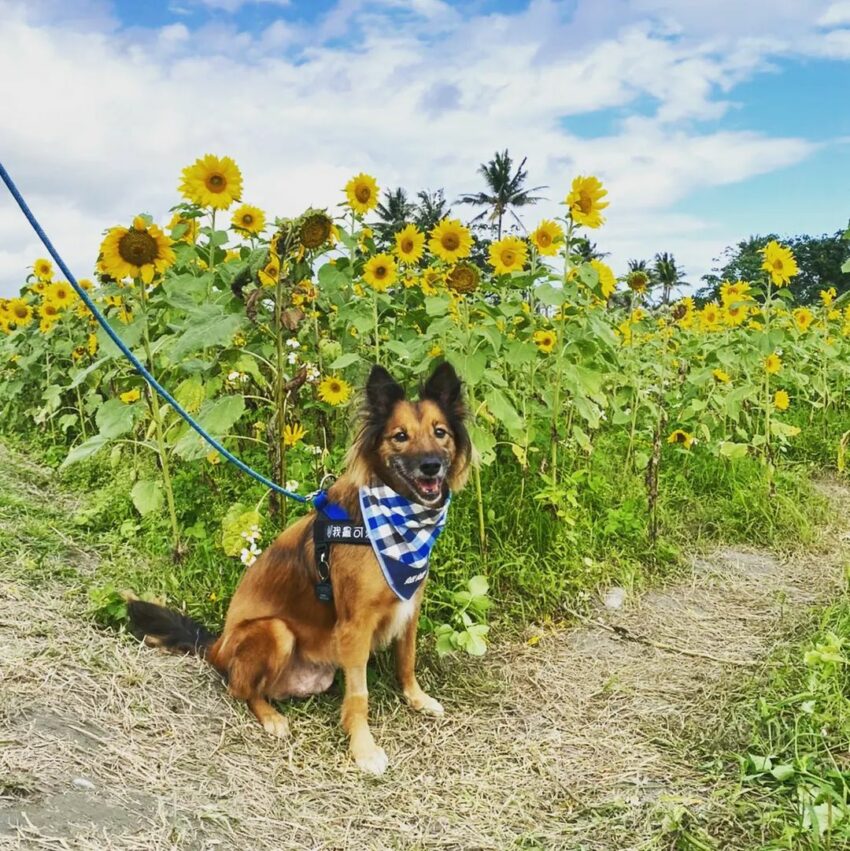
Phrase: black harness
(327,532)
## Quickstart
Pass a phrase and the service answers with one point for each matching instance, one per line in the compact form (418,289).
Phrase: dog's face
(420,449)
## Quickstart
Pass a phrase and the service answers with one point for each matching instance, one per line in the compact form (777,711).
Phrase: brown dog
(279,640)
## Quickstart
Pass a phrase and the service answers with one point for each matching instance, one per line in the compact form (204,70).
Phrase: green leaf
(474,644)
(484,443)
(217,417)
(436,305)
(345,360)
(478,586)
(733,450)
(783,772)
(114,418)
(130,335)
(147,496)
(550,296)
(502,409)
(445,643)
(216,331)
(85,450)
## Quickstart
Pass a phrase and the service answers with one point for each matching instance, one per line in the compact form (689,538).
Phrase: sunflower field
(609,431)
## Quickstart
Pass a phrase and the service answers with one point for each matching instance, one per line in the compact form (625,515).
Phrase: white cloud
(836,15)
(97,126)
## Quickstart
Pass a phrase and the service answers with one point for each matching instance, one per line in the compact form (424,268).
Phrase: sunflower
(142,251)
(463,278)
(710,317)
(545,340)
(772,363)
(362,193)
(735,314)
(86,284)
(732,293)
(781,400)
(450,241)
(435,351)
(45,326)
(607,281)
(43,269)
(49,311)
(131,396)
(803,318)
(249,220)
(508,255)
(60,294)
(410,244)
(20,312)
(721,376)
(547,237)
(293,434)
(637,281)
(585,201)
(212,182)
(380,272)
(187,228)
(827,297)
(430,282)
(316,229)
(681,437)
(39,287)
(779,262)
(269,273)
(334,391)
(92,344)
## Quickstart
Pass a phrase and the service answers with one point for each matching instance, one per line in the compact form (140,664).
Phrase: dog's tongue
(430,487)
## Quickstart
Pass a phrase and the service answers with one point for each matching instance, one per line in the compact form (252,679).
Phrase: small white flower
(313,373)
(293,343)
(292,358)
(291,485)
(233,376)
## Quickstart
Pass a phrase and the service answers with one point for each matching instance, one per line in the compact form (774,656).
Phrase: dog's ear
(445,388)
(382,394)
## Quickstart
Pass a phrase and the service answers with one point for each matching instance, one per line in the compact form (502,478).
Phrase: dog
(280,639)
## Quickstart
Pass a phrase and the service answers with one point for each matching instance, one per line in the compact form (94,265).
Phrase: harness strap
(332,525)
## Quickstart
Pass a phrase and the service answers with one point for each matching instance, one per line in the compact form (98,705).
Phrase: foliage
(584,403)
(820,259)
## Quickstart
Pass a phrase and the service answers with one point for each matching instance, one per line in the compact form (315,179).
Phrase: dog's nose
(430,467)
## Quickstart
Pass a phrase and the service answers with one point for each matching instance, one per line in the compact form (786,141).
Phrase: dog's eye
(440,432)
(400,437)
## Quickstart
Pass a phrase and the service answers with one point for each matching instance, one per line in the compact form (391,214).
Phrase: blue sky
(707,122)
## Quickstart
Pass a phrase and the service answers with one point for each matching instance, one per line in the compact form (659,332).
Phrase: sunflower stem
(157,419)
(211,262)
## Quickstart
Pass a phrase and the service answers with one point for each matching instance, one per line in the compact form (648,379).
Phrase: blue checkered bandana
(402,534)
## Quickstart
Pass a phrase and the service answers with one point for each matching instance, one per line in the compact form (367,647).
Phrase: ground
(583,740)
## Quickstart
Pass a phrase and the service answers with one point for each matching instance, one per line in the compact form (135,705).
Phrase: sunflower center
(363,193)
(681,437)
(407,246)
(544,239)
(508,257)
(138,248)
(585,203)
(247,220)
(21,312)
(381,272)
(216,182)
(335,387)
(450,241)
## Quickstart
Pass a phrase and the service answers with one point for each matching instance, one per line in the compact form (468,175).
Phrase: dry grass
(571,743)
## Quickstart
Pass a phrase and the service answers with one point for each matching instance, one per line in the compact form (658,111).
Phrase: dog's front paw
(372,760)
(277,725)
(425,704)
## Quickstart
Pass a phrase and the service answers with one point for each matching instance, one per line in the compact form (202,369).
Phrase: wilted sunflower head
(315,230)
(284,240)
(463,278)
(637,281)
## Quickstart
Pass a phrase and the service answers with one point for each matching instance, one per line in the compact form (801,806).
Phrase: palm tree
(585,250)
(394,213)
(666,273)
(505,190)
(432,209)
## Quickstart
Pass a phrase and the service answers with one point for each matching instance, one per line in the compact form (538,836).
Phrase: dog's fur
(278,640)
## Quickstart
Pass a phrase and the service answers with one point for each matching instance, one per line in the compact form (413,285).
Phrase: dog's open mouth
(429,487)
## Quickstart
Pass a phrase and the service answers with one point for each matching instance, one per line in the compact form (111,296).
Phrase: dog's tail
(161,627)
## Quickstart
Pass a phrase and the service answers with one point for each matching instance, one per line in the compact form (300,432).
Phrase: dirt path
(567,744)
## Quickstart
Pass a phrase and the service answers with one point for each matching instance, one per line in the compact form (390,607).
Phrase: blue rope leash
(137,364)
